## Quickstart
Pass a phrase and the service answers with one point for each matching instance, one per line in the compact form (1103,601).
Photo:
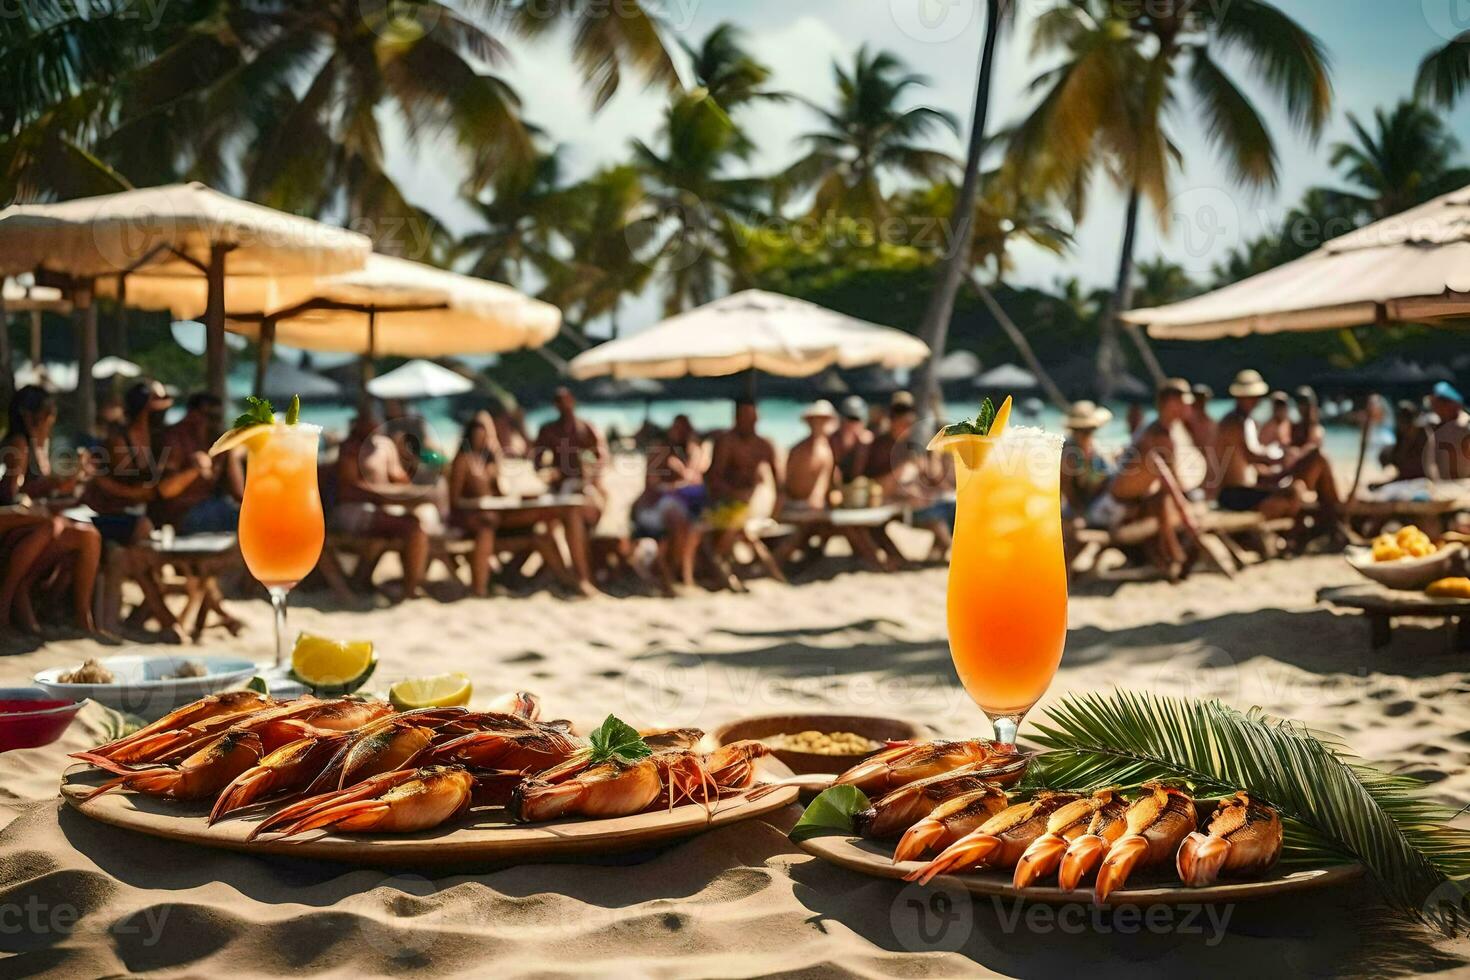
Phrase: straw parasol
(1007,377)
(419,379)
(183,235)
(115,367)
(1414,266)
(394,307)
(284,379)
(751,331)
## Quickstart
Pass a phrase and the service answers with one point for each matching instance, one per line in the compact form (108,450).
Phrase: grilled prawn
(904,762)
(1045,853)
(402,802)
(1085,852)
(895,812)
(1243,838)
(1001,840)
(1156,823)
(950,821)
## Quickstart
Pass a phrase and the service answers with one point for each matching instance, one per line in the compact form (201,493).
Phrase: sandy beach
(742,900)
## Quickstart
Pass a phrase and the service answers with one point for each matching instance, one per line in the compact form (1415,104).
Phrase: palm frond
(1337,805)
(1445,72)
(1232,124)
(1292,60)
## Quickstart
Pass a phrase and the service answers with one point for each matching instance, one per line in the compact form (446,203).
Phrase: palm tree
(1121,73)
(1444,74)
(869,135)
(600,232)
(1159,281)
(1406,160)
(522,215)
(696,204)
(728,72)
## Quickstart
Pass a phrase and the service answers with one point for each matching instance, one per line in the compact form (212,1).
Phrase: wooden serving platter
(1151,886)
(484,837)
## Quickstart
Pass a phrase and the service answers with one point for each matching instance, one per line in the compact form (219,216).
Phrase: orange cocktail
(281,524)
(1007,599)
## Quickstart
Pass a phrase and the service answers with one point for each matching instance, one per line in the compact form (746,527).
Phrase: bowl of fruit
(1408,559)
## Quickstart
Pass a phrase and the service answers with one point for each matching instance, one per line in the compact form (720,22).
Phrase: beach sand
(83,899)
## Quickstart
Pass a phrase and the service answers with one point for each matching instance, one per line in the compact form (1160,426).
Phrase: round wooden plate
(484,837)
(1151,886)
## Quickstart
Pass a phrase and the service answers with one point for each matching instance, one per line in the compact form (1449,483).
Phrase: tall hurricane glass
(1007,598)
(281,523)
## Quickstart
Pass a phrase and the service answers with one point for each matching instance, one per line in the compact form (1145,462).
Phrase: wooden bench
(1380,605)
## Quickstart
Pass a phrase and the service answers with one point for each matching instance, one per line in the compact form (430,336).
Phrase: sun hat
(1203,393)
(1448,392)
(820,409)
(1177,386)
(1249,384)
(853,407)
(1280,397)
(901,399)
(1086,415)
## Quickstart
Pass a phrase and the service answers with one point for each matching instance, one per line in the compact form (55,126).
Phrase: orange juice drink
(1007,599)
(281,525)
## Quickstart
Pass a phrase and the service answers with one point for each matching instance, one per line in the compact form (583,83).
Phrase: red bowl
(30,717)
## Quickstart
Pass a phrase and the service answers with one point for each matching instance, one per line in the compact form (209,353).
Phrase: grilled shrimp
(1243,838)
(609,789)
(1000,841)
(1156,824)
(904,762)
(287,769)
(1086,851)
(1065,825)
(404,801)
(230,704)
(894,813)
(388,744)
(197,777)
(732,766)
(950,821)
(527,750)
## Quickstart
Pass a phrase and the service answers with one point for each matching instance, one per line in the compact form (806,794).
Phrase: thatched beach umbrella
(751,331)
(419,379)
(394,307)
(1412,267)
(186,236)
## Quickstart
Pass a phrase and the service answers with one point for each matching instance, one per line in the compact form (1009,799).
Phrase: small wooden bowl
(802,763)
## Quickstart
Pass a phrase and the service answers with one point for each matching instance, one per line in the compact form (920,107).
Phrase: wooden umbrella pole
(7,367)
(363,398)
(35,336)
(1362,447)
(84,303)
(265,346)
(215,365)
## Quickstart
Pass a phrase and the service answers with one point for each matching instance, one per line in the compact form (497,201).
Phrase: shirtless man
(812,462)
(1204,432)
(1139,488)
(1307,431)
(370,476)
(851,440)
(571,455)
(1277,429)
(736,463)
(908,475)
(1270,480)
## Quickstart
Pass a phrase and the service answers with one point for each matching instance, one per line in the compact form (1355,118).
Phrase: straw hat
(1178,386)
(853,407)
(820,409)
(1249,384)
(1086,415)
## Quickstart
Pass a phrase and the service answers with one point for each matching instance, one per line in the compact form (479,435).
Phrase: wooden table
(1432,516)
(1380,605)
(862,528)
(200,559)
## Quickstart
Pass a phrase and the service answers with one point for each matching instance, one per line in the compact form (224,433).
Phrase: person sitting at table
(52,545)
(473,475)
(414,439)
(1139,487)
(1085,470)
(674,496)
(571,454)
(128,480)
(510,427)
(1271,480)
(1307,432)
(1451,433)
(740,455)
(908,475)
(1408,456)
(812,464)
(370,478)
(851,440)
(209,504)
(1276,430)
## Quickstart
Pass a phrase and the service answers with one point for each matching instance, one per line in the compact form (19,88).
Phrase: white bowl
(141,688)
(1406,573)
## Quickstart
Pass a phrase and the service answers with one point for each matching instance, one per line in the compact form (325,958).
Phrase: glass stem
(1005,727)
(278,603)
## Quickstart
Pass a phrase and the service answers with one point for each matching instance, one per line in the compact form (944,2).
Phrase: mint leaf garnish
(259,413)
(979,426)
(617,740)
(293,414)
(830,814)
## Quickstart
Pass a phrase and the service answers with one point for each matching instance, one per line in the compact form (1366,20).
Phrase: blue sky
(1375,47)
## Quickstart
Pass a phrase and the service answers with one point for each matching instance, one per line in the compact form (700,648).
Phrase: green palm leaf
(1334,804)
